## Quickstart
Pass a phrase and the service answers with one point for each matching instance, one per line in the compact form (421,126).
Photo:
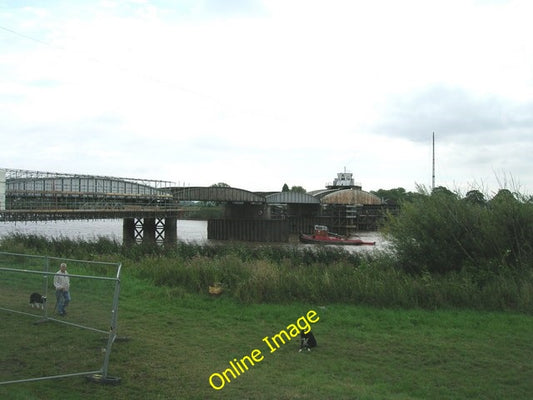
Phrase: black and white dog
(37,301)
(307,340)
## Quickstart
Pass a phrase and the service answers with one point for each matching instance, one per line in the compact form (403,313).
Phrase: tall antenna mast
(433,172)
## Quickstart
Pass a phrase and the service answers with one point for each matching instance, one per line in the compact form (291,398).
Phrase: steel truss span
(12,174)
(38,195)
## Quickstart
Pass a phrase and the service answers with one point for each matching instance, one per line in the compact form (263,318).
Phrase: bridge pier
(149,230)
(170,230)
(128,231)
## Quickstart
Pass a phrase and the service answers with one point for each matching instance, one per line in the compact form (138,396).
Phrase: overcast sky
(256,94)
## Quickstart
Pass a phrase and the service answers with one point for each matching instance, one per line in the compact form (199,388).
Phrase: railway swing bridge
(150,208)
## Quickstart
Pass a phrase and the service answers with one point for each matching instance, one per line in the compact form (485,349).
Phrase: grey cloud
(457,115)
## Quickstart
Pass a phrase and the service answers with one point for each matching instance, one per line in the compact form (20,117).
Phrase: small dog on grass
(37,301)
(307,340)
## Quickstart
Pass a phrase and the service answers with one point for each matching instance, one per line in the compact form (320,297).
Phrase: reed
(372,282)
(284,274)
(442,232)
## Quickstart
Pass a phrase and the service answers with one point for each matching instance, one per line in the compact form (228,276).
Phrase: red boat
(322,236)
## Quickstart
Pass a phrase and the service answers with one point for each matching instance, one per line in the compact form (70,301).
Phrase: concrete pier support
(128,231)
(149,231)
(248,230)
(170,231)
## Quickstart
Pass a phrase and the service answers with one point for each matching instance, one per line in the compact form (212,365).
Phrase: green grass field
(176,340)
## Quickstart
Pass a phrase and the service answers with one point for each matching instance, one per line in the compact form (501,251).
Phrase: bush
(442,232)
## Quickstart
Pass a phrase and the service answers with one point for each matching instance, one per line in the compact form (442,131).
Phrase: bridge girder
(215,193)
(291,198)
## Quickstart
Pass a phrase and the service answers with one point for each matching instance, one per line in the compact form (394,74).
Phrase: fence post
(48,298)
(2,189)
(104,378)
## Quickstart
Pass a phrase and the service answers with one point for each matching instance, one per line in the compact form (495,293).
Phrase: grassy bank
(177,340)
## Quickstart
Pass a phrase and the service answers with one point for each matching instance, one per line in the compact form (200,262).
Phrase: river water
(188,231)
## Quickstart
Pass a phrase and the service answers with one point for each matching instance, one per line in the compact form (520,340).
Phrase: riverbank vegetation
(283,274)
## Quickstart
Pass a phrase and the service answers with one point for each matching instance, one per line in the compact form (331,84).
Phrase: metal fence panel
(77,344)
